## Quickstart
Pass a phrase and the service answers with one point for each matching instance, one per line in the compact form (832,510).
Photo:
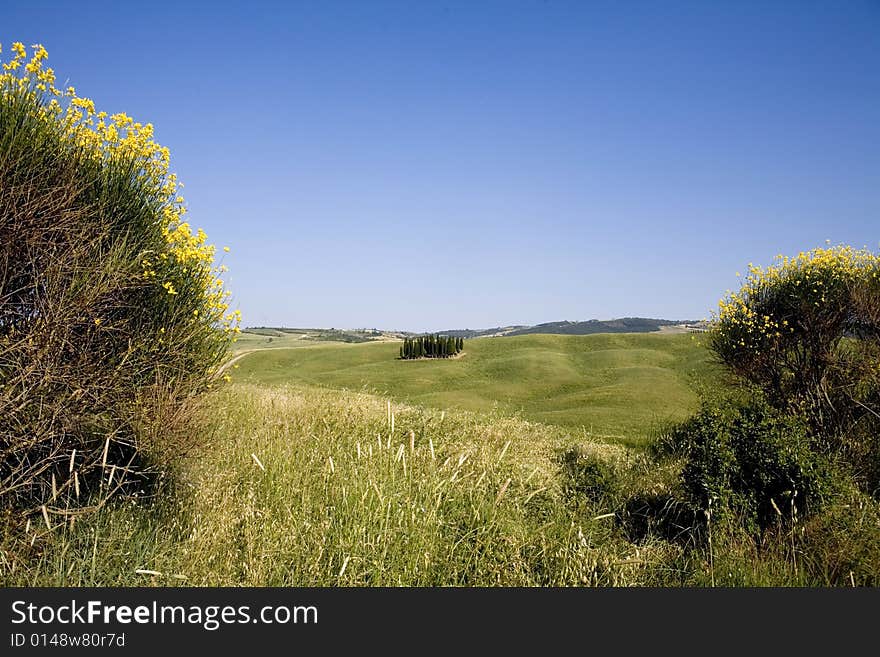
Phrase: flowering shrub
(806,330)
(113,314)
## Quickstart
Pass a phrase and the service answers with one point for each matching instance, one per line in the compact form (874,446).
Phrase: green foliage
(431,346)
(751,461)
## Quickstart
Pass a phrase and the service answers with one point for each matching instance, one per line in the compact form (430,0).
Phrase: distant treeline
(431,346)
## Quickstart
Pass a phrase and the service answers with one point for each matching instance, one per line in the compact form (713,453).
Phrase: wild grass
(322,491)
(314,487)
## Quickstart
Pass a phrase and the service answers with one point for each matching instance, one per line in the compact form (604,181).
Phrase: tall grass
(312,487)
(321,491)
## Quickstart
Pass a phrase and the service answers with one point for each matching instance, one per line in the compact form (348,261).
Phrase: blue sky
(436,165)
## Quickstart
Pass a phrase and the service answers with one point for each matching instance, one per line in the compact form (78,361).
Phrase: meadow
(616,388)
(304,482)
(309,486)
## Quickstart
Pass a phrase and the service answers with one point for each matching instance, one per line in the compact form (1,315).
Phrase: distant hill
(479,333)
(622,325)
(329,335)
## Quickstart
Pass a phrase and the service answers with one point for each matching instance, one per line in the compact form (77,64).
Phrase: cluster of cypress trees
(431,346)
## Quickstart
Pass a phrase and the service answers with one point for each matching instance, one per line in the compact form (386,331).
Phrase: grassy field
(274,338)
(308,486)
(305,485)
(616,388)
(248,340)
(329,488)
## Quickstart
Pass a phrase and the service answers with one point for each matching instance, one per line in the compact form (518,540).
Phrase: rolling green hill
(615,387)
(589,327)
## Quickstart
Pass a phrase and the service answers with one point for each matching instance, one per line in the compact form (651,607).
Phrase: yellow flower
(116,135)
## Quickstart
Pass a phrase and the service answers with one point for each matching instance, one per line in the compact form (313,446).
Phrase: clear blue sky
(432,165)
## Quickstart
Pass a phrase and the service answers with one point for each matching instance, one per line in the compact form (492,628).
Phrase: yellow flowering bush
(803,334)
(113,313)
(806,330)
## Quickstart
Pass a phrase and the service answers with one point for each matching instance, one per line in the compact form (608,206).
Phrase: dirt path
(225,366)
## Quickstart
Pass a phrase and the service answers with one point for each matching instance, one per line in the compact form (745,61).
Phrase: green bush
(752,461)
(112,315)
(806,331)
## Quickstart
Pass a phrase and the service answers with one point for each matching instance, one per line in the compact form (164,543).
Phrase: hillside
(622,325)
(481,333)
(258,335)
(267,337)
(614,387)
